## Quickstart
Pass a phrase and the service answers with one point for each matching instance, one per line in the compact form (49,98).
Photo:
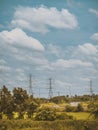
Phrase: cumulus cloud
(94,36)
(72,63)
(40,19)
(2,61)
(54,50)
(88,49)
(4,68)
(94,11)
(19,37)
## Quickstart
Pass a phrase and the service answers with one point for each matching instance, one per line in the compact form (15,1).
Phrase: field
(80,115)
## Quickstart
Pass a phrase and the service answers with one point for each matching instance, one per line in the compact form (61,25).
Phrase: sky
(49,39)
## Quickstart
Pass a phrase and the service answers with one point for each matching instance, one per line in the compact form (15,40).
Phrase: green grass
(46,125)
(80,115)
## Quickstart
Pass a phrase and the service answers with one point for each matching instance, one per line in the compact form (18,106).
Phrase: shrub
(69,108)
(45,114)
(63,116)
(78,108)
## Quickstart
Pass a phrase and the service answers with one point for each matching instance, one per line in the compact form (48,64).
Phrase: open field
(80,115)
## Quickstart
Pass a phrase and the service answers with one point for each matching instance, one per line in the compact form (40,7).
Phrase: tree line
(16,101)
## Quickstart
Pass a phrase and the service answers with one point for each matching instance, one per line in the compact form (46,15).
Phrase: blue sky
(49,39)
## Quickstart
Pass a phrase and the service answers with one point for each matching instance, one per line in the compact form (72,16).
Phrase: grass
(80,115)
(46,125)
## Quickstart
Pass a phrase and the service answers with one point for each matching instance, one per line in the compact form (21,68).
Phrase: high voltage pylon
(91,90)
(30,85)
(50,88)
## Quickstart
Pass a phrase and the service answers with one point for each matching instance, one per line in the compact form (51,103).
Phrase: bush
(69,108)
(78,108)
(63,116)
(45,114)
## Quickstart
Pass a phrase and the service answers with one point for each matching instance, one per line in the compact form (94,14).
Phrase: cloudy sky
(55,39)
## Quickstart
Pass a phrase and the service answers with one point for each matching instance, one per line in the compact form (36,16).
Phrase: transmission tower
(91,90)
(70,91)
(50,88)
(30,85)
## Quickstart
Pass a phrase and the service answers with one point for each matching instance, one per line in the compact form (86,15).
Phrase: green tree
(94,111)
(79,108)
(31,107)
(20,96)
(6,102)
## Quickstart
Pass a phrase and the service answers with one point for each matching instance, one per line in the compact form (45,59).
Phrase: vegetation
(19,101)
(45,114)
(77,108)
(47,125)
(19,110)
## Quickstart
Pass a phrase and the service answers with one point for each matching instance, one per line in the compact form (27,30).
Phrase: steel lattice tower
(50,88)
(30,85)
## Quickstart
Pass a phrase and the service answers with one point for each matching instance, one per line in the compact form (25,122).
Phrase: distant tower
(0,93)
(58,93)
(39,92)
(70,91)
(30,85)
(50,88)
(91,90)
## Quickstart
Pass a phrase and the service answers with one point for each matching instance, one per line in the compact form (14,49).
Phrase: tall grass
(46,125)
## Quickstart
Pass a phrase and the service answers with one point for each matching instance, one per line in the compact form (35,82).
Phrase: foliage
(63,116)
(17,101)
(94,110)
(69,108)
(77,108)
(6,102)
(60,99)
(32,106)
(47,125)
(45,114)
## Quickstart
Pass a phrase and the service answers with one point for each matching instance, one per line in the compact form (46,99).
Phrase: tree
(6,102)
(31,106)
(79,108)
(20,96)
(94,111)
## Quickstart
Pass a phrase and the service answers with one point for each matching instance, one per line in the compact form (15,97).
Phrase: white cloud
(88,49)
(19,70)
(39,19)
(94,11)
(72,63)
(19,37)
(36,60)
(94,36)
(4,68)
(2,61)
(62,83)
(54,50)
